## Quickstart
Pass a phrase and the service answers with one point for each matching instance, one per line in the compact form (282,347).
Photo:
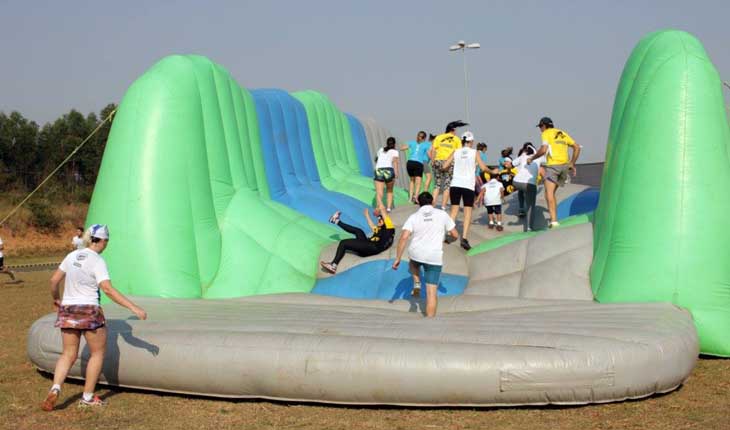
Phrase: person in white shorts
(426,228)
(463,181)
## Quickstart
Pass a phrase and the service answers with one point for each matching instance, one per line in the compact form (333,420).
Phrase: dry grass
(701,404)
(22,239)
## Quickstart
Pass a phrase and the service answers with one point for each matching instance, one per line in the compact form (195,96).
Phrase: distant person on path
(482,153)
(555,144)
(493,193)
(525,182)
(427,170)
(443,146)
(4,269)
(465,161)
(84,273)
(386,166)
(417,159)
(381,239)
(425,229)
(78,241)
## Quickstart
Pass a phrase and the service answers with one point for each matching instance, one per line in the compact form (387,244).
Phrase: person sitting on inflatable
(381,239)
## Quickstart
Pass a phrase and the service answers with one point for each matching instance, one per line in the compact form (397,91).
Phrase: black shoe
(465,244)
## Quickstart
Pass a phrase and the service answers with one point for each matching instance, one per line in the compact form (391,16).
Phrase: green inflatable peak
(660,231)
(334,150)
(183,189)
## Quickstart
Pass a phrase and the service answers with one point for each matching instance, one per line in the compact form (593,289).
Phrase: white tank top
(464,165)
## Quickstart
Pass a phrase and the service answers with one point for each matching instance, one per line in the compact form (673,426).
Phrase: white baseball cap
(99,231)
(468,136)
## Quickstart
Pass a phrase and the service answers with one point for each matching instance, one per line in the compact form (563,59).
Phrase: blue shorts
(432,272)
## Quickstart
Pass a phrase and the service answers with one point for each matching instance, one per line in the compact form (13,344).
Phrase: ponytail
(389,143)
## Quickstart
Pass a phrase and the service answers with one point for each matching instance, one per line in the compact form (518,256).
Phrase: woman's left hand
(56,304)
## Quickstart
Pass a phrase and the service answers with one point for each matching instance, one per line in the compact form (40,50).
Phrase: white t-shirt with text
(427,227)
(85,270)
(464,165)
(385,158)
(527,173)
(493,192)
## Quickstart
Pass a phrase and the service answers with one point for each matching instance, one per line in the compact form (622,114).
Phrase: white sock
(499,222)
(88,396)
(56,387)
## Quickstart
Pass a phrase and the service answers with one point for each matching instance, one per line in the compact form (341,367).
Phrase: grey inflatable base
(480,351)
(521,334)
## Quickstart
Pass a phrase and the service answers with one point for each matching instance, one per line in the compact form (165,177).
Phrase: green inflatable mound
(184,192)
(334,150)
(660,230)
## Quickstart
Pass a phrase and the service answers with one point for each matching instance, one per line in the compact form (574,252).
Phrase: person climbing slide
(381,239)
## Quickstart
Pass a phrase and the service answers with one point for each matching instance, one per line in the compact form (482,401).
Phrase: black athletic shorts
(458,193)
(414,168)
(494,209)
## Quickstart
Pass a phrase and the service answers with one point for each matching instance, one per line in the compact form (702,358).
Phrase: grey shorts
(557,173)
(427,167)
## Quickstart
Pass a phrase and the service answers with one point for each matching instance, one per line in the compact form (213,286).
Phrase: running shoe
(95,402)
(491,225)
(416,290)
(554,224)
(335,218)
(50,401)
(499,227)
(521,214)
(329,267)
(465,244)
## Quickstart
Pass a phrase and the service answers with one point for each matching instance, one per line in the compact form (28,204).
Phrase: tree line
(29,152)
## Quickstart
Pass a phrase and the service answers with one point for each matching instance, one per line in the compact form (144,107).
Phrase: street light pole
(463,46)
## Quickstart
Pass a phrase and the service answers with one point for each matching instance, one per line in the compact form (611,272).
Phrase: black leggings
(360,245)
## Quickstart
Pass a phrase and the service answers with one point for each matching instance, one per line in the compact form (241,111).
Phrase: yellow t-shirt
(558,142)
(444,145)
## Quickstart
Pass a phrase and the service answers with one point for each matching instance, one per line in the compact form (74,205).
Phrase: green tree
(18,143)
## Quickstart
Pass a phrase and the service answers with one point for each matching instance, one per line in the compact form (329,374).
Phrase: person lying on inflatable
(379,241)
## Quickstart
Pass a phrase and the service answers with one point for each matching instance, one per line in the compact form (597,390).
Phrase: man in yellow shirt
(443,146)
(555,144)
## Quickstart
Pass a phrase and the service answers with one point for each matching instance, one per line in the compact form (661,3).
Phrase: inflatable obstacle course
(205,187)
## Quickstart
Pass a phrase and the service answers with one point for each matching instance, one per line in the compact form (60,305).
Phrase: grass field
(702,403)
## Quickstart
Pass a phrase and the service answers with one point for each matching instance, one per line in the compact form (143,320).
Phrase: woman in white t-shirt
(525,181)
(77,242)
(386,166)
(84,273)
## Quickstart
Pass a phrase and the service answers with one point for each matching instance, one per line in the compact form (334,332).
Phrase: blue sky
(387,60)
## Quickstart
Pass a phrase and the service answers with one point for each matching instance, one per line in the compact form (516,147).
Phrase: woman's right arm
(117,297)
(56,279)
